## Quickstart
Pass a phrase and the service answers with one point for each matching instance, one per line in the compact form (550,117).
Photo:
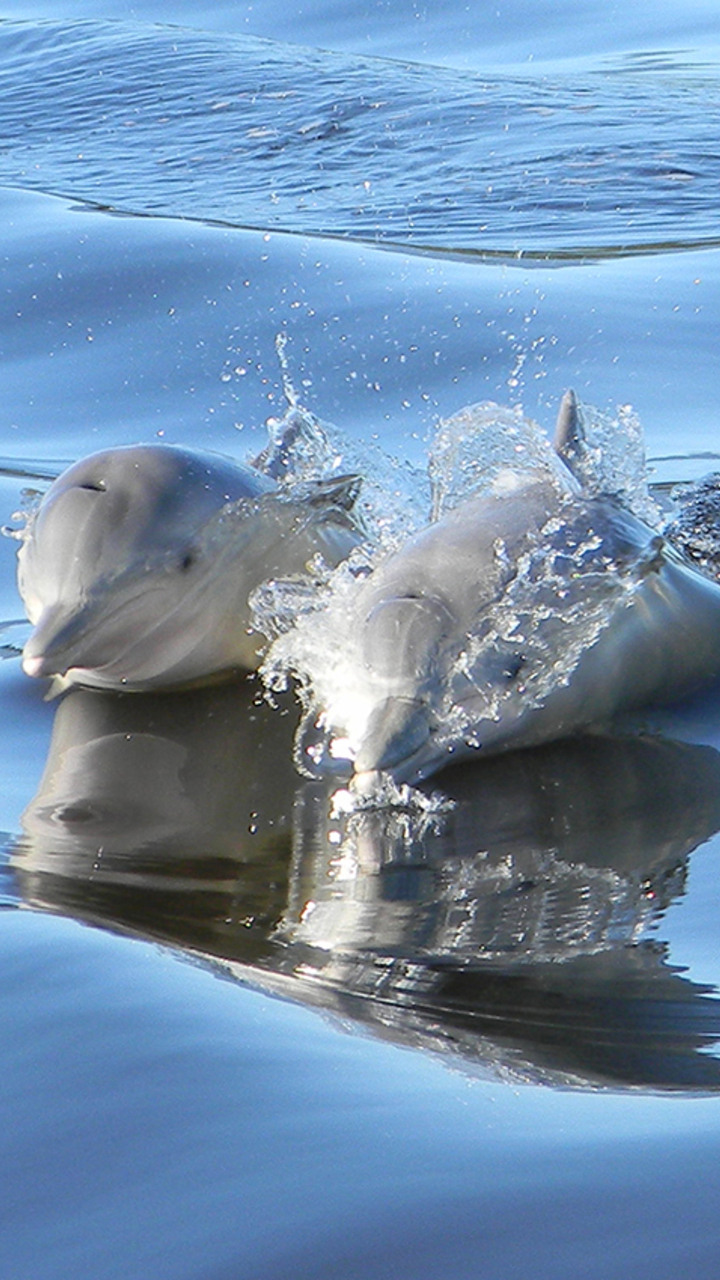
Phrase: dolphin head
(110,563)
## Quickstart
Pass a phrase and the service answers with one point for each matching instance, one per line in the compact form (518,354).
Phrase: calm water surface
(244,1034)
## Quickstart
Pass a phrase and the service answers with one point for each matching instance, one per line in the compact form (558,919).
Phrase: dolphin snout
(64,638)
(34,666)
(46,645)
(397,728)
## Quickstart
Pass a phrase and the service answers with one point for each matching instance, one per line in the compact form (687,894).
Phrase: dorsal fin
(569,434)
(338,492)
(570,441)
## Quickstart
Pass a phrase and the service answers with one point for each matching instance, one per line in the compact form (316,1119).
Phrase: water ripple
(262,134)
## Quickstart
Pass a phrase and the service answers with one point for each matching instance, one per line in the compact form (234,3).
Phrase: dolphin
(534,608)
(137,567)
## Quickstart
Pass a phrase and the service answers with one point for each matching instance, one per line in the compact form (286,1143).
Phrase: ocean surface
(245,1034)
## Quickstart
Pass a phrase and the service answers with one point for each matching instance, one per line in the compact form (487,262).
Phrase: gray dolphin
(531,610)
(137,567)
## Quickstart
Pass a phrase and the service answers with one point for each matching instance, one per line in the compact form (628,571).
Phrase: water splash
(476,450)
(30,500)
(695,526)
(564,593)
(609,459)
(301,448)
(560,587)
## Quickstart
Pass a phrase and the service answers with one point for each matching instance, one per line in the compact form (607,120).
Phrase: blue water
(242,1035)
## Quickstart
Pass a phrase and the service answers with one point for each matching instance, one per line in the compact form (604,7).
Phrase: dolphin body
(528,612)
(137,567)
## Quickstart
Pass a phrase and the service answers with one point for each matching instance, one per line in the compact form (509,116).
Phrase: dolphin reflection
(507,927)
(166,814)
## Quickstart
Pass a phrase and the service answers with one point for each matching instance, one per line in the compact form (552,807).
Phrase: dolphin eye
(514,664)
(187,561)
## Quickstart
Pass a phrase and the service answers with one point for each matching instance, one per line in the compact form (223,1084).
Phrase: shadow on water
(506,927)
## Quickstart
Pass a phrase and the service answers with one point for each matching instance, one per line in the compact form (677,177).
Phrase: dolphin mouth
(428,759)
(47,649)
(106,646)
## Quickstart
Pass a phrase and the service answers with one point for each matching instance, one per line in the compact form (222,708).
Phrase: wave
(258,133)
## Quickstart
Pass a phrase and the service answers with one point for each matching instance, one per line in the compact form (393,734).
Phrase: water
(245,1031)
(601,159)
